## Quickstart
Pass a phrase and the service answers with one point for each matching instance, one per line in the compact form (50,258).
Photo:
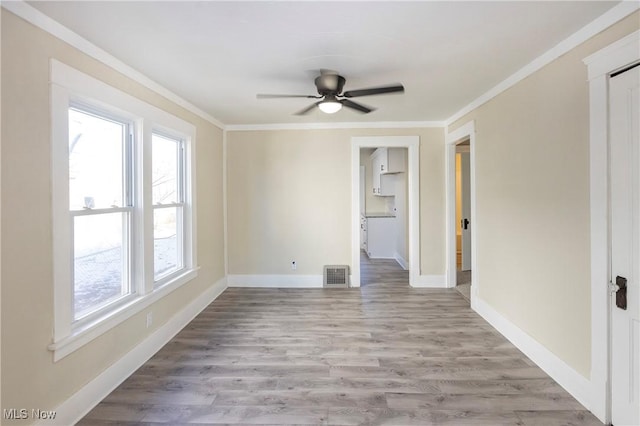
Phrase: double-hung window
(123,206)
(100,208)
(168,206)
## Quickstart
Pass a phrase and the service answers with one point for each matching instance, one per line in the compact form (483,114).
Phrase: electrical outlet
(149,319)
(293,265)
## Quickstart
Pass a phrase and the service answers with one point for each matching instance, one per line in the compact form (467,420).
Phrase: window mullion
(146,209)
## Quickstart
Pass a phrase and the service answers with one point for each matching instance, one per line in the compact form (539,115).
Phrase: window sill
(80,336)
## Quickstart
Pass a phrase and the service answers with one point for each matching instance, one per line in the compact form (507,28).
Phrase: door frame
(465,132)
(600,66)
(412,143)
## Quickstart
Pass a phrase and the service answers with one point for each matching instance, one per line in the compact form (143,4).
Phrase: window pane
(165,170)
(100,273)
(95,161)
(167,247)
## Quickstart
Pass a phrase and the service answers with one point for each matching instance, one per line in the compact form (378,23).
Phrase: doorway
(383,217)
(463,219)
(412,146)
(461,222)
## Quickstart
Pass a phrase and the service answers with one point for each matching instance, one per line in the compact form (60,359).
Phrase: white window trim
(67,85)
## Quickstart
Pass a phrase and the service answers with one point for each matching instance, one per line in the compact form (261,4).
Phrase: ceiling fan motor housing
(330,84)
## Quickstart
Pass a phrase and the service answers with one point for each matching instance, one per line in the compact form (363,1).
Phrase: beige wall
(532,183)
(30,378)
(289,198)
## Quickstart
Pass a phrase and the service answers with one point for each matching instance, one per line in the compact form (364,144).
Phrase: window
(123,206)
(168,206)
(100,209)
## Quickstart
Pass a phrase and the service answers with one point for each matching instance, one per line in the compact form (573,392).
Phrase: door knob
(621,292)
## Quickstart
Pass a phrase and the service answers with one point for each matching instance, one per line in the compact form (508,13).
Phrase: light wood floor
(382,354)
(463,284)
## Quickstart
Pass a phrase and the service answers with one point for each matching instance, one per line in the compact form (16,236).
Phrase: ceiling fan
(332,99)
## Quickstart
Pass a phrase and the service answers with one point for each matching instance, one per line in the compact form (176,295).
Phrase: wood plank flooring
(463,285)
(382,354)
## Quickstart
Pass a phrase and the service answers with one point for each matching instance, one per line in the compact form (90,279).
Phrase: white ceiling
(219,55)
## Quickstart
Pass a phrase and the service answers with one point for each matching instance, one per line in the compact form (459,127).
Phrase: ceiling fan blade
(356,106)
(263,96)
(307,109)
(374,91)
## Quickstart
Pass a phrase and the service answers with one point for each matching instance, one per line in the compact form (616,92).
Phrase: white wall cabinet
(381,237)
(386,161)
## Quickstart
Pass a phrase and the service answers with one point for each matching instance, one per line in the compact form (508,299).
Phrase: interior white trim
(338,125)
(430,281)
(42,21)
(412,143)
(604,21)
(466,131)
(66,84)
(80,403)
(572,381)
(600,64)
(275,281)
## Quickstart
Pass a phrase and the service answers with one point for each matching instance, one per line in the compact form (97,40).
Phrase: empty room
(320,212)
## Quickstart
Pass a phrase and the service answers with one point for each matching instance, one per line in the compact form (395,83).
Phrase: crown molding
(42,21)
(604,21)
(339,125)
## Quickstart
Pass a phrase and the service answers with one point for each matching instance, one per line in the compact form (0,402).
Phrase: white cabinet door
(375,174)
(381,237)
(385,162)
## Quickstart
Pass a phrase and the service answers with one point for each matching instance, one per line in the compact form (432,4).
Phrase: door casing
(412,143)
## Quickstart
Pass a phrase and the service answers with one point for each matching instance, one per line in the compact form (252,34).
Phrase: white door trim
(412,143)
(600,65)
(467,131)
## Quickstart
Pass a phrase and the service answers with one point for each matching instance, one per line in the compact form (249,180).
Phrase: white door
(624,115)
(465,164)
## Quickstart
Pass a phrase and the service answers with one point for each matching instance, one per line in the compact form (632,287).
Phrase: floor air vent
(336,276)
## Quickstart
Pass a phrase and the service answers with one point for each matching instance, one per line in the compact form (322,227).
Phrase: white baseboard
(401,261)
(430,281)
(80,403)
(275,281)
(572,381)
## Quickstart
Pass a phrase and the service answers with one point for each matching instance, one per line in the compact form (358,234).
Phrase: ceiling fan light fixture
(330,107)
